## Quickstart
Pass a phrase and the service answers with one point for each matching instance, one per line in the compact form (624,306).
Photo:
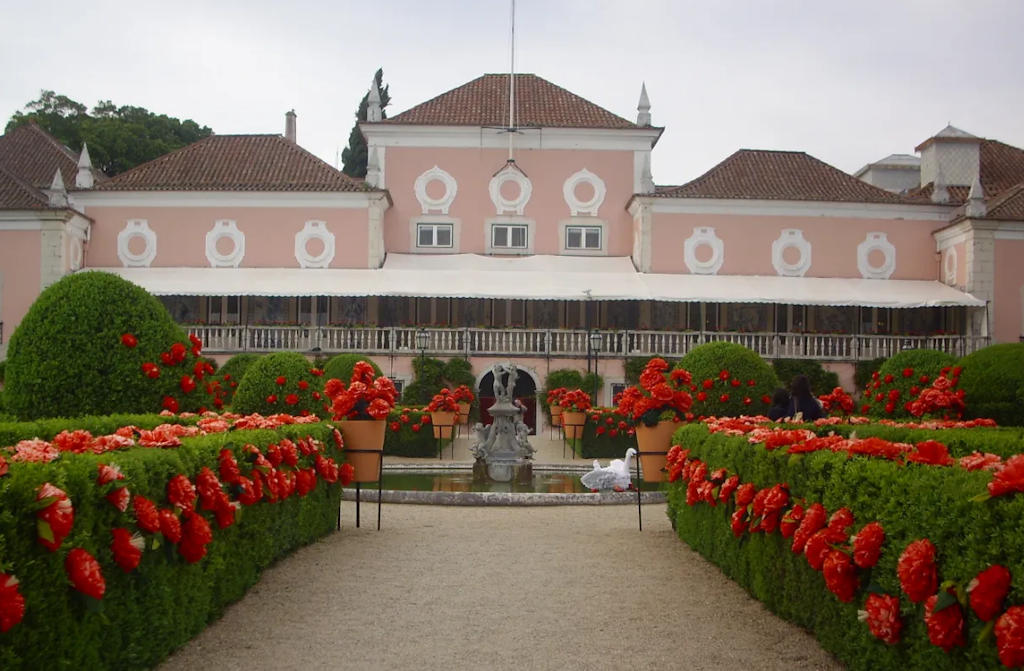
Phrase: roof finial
(643,108)
(939,192)
(374,112)
(976,200)
(84,178)
(57,194)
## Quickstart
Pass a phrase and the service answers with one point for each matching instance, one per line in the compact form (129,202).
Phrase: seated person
(803,401)
(780,405)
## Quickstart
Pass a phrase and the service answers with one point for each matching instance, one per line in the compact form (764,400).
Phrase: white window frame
(434,220)
(583,231)
(434,228)
(491,224)
(585,223)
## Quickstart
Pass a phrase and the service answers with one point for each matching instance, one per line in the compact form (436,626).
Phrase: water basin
(461,480)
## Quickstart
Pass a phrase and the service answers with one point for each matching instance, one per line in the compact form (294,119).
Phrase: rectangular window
(583,237)
(508,236)
(433,235)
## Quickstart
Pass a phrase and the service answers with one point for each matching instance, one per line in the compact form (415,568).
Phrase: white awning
(538,277)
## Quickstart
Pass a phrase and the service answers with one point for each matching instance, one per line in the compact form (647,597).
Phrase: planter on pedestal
(572,424)
(364,446)
(463,412)
(556,414)
(652,444)
(443,422)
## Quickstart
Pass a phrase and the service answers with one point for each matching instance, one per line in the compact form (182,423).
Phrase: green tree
(119,138)
(354,157)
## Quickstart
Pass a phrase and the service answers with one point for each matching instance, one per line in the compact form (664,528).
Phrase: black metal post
(639,506)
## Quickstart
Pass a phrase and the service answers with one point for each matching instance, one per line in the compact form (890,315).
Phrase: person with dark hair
(802,401)
(780,405)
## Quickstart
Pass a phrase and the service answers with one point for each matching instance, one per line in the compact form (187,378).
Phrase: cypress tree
(354,156)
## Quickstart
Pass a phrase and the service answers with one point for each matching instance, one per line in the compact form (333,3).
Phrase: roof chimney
(289,126)
(374,112)
(83,178)
(643,108)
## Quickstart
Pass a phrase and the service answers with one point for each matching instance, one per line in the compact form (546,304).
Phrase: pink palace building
(551,246)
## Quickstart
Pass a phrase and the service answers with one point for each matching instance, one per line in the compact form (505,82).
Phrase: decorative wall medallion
(576,206)
(314,230)
(791,238)
(949,263)
(515,205)
(441,204)
(704,236)
(225,228)
(876,242)
(136,228)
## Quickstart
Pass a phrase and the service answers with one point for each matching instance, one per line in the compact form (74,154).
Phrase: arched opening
(525,392)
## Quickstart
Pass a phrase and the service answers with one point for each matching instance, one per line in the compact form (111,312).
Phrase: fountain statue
(502,449)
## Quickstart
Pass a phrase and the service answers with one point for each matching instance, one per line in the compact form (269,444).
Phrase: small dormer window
(433,235)
(583,237)
(509,236)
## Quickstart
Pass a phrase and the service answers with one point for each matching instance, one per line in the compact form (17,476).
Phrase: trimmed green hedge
(279,382)
(99,425)
(822,381)
(993,383)
(911,502)
(887,395)
(715,366)
(341,366)
(153,610)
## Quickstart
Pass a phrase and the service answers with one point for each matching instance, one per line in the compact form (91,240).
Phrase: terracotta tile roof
(484,102)
(17,194)
(779,175)
(1001,165)
(1008,205)
(34,156)
(235,163)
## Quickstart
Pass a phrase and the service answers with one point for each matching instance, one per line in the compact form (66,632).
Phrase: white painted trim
(314,230)
(583,222)
(795,208)
(1009,235)
(876,241)
(704,235)
(577,206)
(341,200)
(504,205)
(949,266)
(599,139)
(136,228)
(225,228)
(18,221)
(791,237)
(956,234)
(451,188)
(531,234)
(454,222)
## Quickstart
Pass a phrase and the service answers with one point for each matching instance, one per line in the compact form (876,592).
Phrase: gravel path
(566,587)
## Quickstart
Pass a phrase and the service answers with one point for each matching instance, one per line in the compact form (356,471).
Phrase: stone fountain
(502,449)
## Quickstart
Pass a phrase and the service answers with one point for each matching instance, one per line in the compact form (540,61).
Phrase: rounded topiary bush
(280,382)
(901,379)
(341,366)
(95,344)
(993,382)
(729,380)
(822,381)
(232,372)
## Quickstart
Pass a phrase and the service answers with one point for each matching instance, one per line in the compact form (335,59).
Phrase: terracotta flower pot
(572,424)
(442,422)
(368,435)
(652,445)
(556,414)
(463,412)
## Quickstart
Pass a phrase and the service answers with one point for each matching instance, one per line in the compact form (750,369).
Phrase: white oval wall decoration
(704,235)
(791,237)
(576,206)
(441,204)
(949,268)
(314,230)
(136,228)
(225,228)
(515,205)
(880,243)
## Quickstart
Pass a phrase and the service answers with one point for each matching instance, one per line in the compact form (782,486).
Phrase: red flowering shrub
(659,395)
(890,392)
(987,591)
(85,573)
(1010,637)
(55,516)
(814,519)
(170,525)
(931,452)
(463,394)
(181,492)
(127,548)
(146,515)
(840,575)
(882,613)
(195,536)
(837,402)
(1009,479)
(867,545)
(443,401)
(364,398)
(946,626)
(791,521)
(12,603)
(916,570)
(270,380)
(575,400)
(714,366)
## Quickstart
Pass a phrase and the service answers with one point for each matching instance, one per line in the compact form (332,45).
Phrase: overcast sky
(848,82)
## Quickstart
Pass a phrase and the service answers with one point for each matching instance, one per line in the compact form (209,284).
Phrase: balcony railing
(565,343)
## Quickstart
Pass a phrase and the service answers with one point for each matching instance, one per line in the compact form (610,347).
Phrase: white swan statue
(616,475)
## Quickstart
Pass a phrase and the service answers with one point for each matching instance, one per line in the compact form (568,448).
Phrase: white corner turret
(374,112)
(643,107)
(84,178)
(976,200)
(57,194)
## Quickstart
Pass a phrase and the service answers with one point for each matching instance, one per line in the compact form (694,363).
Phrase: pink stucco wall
(269,234)
(20,263)
(748,243)
(473,169)
(1008,296)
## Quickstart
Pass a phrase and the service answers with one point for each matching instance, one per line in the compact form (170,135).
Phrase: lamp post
(594,344)
(422,340)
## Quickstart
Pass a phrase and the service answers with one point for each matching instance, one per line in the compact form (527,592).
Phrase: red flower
(791,521)
(128,340)
(728,487)
(208,487)
(187,384)
(345,474)
(1009,478)
(945,627)
(889,378)
(819,545)
(708,384)
(178,352)
(272,399)
(415,428)
(867,545)
(987,590)
(146,515)
(181,493)
(766,399)
(228,466)
(195,536)
(1010,637)
(85,574)
(12,603)
(739,521)
(724,398)
(882,613)
(916,570)
(56,517)
(281,379)
(170,404)
(170,525)
(151,370)
(814,519)
(291,399)
(127,549)
(745,494)
(702,396)
(108,474)
(840,575)
(723,375)
(908,372)
(119,498)
(303,385)
(931,452)
(395,426)
(734,382)
(841,519)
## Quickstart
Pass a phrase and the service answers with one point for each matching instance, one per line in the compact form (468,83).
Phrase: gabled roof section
(235,163)
(17,194)
(34,155)
(1001,167)
(1008,205)
(755,174)
(484,102)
